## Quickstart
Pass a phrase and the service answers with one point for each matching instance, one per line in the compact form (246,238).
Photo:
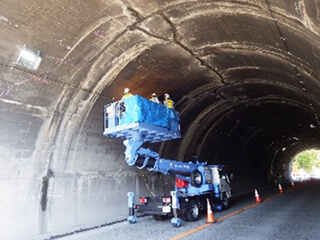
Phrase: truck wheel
(193,212)
(158,217)
(225,202)
(196,178)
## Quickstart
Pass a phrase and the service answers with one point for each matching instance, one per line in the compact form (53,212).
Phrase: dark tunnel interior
(244,76)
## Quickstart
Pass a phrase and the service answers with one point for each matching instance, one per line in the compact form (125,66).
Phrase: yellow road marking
(224,217)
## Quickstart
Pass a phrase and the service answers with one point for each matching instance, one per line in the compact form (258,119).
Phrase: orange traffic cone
(280,188)
(292,184)
(256,194)
(210,216)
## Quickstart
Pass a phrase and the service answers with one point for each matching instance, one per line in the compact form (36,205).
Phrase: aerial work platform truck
(137,120)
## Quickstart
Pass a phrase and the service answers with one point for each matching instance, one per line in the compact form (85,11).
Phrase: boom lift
(137,120)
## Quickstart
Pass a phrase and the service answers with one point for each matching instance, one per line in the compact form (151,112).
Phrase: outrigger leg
(175,221)
(132,218)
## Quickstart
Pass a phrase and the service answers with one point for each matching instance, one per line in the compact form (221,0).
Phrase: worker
(127,93)
(122,109)
(194,158)
(168,102)
(154,98)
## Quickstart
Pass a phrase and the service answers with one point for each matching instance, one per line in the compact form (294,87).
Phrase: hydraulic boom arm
(145,158)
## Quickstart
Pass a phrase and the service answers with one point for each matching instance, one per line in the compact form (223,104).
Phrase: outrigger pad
(132,219)
(176,222)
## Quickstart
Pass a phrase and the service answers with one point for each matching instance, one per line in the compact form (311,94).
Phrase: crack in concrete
(176,41)
(295,67)
(135,13)
(140,19)
(284,43)
(150,34)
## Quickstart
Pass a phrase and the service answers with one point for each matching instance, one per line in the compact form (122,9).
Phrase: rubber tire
(158,217)
(193,213)
(194,176)
(225,202)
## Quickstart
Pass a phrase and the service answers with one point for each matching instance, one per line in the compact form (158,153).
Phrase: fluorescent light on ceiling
(29,59)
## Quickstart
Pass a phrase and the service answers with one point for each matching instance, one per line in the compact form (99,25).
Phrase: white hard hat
(154,94)
(166,95)
(126,90)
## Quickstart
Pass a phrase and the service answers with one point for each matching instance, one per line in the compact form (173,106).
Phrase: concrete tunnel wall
(244,76)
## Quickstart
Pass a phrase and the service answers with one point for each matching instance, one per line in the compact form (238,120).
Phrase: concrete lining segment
(209,120)
(267,91)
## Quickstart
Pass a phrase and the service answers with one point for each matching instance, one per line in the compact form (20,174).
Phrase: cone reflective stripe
(210,216)
(292,184)
(256,194)
(280,188)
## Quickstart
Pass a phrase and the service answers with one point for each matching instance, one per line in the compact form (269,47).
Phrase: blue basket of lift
(143,120)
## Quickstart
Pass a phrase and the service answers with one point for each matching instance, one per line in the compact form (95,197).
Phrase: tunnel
(243,76)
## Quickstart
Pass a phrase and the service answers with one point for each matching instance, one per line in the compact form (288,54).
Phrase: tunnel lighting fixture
(312,126)
(29,59)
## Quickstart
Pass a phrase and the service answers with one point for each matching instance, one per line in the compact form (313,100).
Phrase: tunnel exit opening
(305,165)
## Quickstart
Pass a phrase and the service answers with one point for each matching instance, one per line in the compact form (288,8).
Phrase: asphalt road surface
(293,215)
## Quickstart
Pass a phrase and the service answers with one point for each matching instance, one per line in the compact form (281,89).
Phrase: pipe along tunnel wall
(244,77)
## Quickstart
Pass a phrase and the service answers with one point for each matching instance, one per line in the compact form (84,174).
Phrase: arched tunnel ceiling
(237,66)
(244,76)
(233,67)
